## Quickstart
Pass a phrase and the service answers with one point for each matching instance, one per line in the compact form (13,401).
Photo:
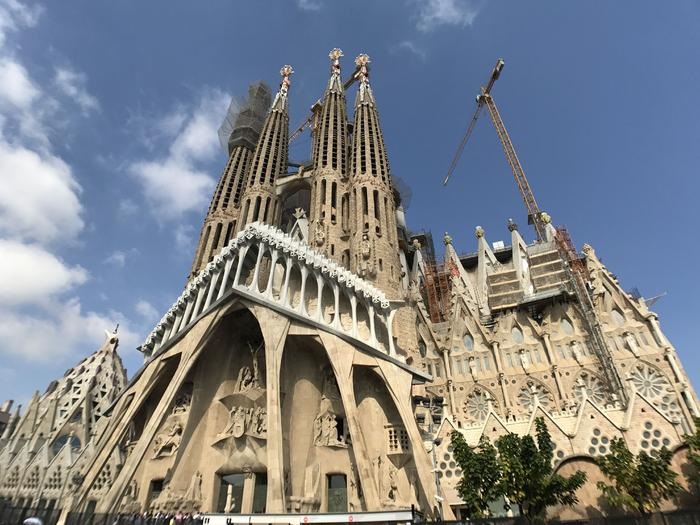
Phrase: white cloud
(14,14)
(40,208)
(59,330)
(410,47)
(16,88)
(116,259)
(72,84)
(33,275)
(146,310)
(38,196)
(173,187)
(434,13)
(175,183)
(309,5)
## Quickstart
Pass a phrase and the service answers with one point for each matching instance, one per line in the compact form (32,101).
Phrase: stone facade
(43,452)
(516,346)
(317,361)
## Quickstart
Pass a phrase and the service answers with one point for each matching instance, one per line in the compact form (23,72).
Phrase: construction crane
(316,108)
(484,98)
(576,270)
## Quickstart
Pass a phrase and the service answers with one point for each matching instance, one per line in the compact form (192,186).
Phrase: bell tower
(330,206)
(374,246)
(220,222)
(260,201)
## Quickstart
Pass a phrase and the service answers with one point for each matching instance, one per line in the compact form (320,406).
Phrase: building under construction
(321,355)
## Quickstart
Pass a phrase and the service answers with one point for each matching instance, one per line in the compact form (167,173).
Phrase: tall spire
(368,154)
(220,222)
(260,202)
(374,247)
(329,213)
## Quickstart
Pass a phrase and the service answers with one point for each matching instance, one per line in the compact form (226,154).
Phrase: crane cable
(460,149)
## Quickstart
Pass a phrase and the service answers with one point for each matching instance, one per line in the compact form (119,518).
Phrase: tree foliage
(481,476)
(639,482)
(693,442)
(517,468)
(528,474)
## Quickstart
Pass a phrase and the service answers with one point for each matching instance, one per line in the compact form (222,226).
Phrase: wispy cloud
(33,336)
(127,208)
(15,15)
(432,14)
(408,46)
(146,310)
(174,182)
(309,5)
(72,84)
(116,259)
(184,238)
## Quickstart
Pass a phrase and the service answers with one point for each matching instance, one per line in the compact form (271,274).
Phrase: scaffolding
(437,291)
(578,276)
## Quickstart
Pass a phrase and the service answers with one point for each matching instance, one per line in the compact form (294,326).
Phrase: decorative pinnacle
(362,62)
(335,55)
(286,71)
(479,232)
(447,239)
(546,218)
(512,226)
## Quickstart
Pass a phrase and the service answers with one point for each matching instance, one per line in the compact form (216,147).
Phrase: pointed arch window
(468,342)
(617,317)
(517,335)
(566,326)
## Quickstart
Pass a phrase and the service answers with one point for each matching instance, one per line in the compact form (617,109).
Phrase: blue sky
(109,154)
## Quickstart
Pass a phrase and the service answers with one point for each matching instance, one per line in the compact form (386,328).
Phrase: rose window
(529,394)
(592,386)
(477,405)
(648,382)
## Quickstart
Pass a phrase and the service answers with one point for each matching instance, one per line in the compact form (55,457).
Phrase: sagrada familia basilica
(319,360)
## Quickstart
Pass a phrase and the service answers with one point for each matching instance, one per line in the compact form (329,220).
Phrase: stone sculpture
(167,442)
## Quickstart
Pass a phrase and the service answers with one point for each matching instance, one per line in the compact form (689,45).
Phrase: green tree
(481,475)
(639,482)
(528,477)
(518,468)
(693,442)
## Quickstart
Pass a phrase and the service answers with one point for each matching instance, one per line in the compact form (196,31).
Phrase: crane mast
(576,271)
(534,215)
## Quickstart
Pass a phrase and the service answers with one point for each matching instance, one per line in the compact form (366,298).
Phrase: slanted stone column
(274,328)
(341,355)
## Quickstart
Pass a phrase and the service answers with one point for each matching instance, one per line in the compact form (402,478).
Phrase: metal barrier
(676,517)
(77,518)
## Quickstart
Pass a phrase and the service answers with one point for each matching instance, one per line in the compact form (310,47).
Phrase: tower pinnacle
(280,103)
(362,62)
(335,83)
